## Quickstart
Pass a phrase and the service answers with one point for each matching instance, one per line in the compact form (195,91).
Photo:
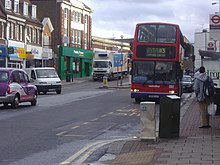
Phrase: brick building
(21,33)
(71,38)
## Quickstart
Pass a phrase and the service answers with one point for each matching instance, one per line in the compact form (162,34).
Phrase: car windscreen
(46,73)
(4,76)
(187,79)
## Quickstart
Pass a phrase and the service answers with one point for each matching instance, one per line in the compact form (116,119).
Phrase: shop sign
(36,51)
(21,52)
(47,53)
(3,50)
(80,53)
(29,55)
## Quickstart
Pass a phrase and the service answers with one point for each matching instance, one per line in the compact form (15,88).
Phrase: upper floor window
(86,19)
(16,6)
(34,35)
(38,36)
(25,11)
(34,11)
(12,30)
(73,16)
(2,30)
(8,4)
(21,33)
(46,40)
(65,13)
(17,28)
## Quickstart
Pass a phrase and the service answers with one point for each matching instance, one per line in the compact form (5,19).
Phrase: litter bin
(148,122)
(217,100)
(169,120)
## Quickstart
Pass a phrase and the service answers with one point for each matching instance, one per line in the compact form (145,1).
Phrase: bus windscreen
(154,72)
(155,33)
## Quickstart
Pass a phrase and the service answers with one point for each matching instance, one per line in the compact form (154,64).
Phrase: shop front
(16,57)
(3,55)
(36,59)
(74,62)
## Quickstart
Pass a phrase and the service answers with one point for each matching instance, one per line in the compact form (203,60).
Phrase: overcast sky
(113,18)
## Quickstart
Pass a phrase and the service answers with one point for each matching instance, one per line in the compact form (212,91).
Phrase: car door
(24,82)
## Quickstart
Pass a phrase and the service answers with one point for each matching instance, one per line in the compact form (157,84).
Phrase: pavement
(194,146)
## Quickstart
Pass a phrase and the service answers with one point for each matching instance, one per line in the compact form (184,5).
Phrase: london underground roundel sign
(214,21)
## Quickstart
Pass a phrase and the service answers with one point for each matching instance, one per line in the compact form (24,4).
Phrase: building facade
(21,34)
(72,22)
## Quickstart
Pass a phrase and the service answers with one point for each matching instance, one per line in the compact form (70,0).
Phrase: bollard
(105,82)
(148,121)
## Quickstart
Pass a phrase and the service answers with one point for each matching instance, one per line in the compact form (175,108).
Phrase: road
(67,128)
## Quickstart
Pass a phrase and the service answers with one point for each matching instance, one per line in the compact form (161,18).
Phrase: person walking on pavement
(203,102)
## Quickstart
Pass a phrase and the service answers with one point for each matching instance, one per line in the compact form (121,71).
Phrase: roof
(210,54)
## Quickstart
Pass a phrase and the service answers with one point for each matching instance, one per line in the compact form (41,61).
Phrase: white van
(45,79)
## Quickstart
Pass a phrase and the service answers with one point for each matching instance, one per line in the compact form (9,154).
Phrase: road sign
(210,44)
(214,21)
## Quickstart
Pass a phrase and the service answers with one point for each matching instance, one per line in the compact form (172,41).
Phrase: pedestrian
(203,102)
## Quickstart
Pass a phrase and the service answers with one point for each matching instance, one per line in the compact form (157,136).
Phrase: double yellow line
(79,157)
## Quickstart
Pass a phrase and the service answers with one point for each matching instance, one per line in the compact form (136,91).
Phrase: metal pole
(219,6)
(121,62)
(121,72)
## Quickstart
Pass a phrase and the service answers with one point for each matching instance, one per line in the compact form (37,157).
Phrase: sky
(116,18)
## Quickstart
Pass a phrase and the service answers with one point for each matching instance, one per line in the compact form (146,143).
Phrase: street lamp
(217,3)
(121,62)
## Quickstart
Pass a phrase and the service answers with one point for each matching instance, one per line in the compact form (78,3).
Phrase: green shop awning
(75,52)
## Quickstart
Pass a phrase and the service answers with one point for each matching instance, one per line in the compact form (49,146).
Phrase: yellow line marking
(61,133)
(86,151)
(85,123)
(103,116)
(75,127)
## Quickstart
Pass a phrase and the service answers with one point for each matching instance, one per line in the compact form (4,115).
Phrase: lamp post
(217,3)
(121,62)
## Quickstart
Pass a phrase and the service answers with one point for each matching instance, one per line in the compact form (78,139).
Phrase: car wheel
(58,91)
(45,92)
(34,101)
(15,102)
(38,92)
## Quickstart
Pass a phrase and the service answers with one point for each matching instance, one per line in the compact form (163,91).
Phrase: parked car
(15,87)
(46,79)
(187,82)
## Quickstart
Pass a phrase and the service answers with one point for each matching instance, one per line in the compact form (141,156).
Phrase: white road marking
(61,133)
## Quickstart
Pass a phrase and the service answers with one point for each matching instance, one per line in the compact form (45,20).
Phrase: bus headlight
(171,92)
(134,90)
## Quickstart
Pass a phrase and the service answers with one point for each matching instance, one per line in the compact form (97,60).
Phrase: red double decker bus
(158,51)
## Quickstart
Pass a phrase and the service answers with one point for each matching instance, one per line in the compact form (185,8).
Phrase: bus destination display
(155,51)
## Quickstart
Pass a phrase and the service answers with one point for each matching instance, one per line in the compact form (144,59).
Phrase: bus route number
(156,52)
